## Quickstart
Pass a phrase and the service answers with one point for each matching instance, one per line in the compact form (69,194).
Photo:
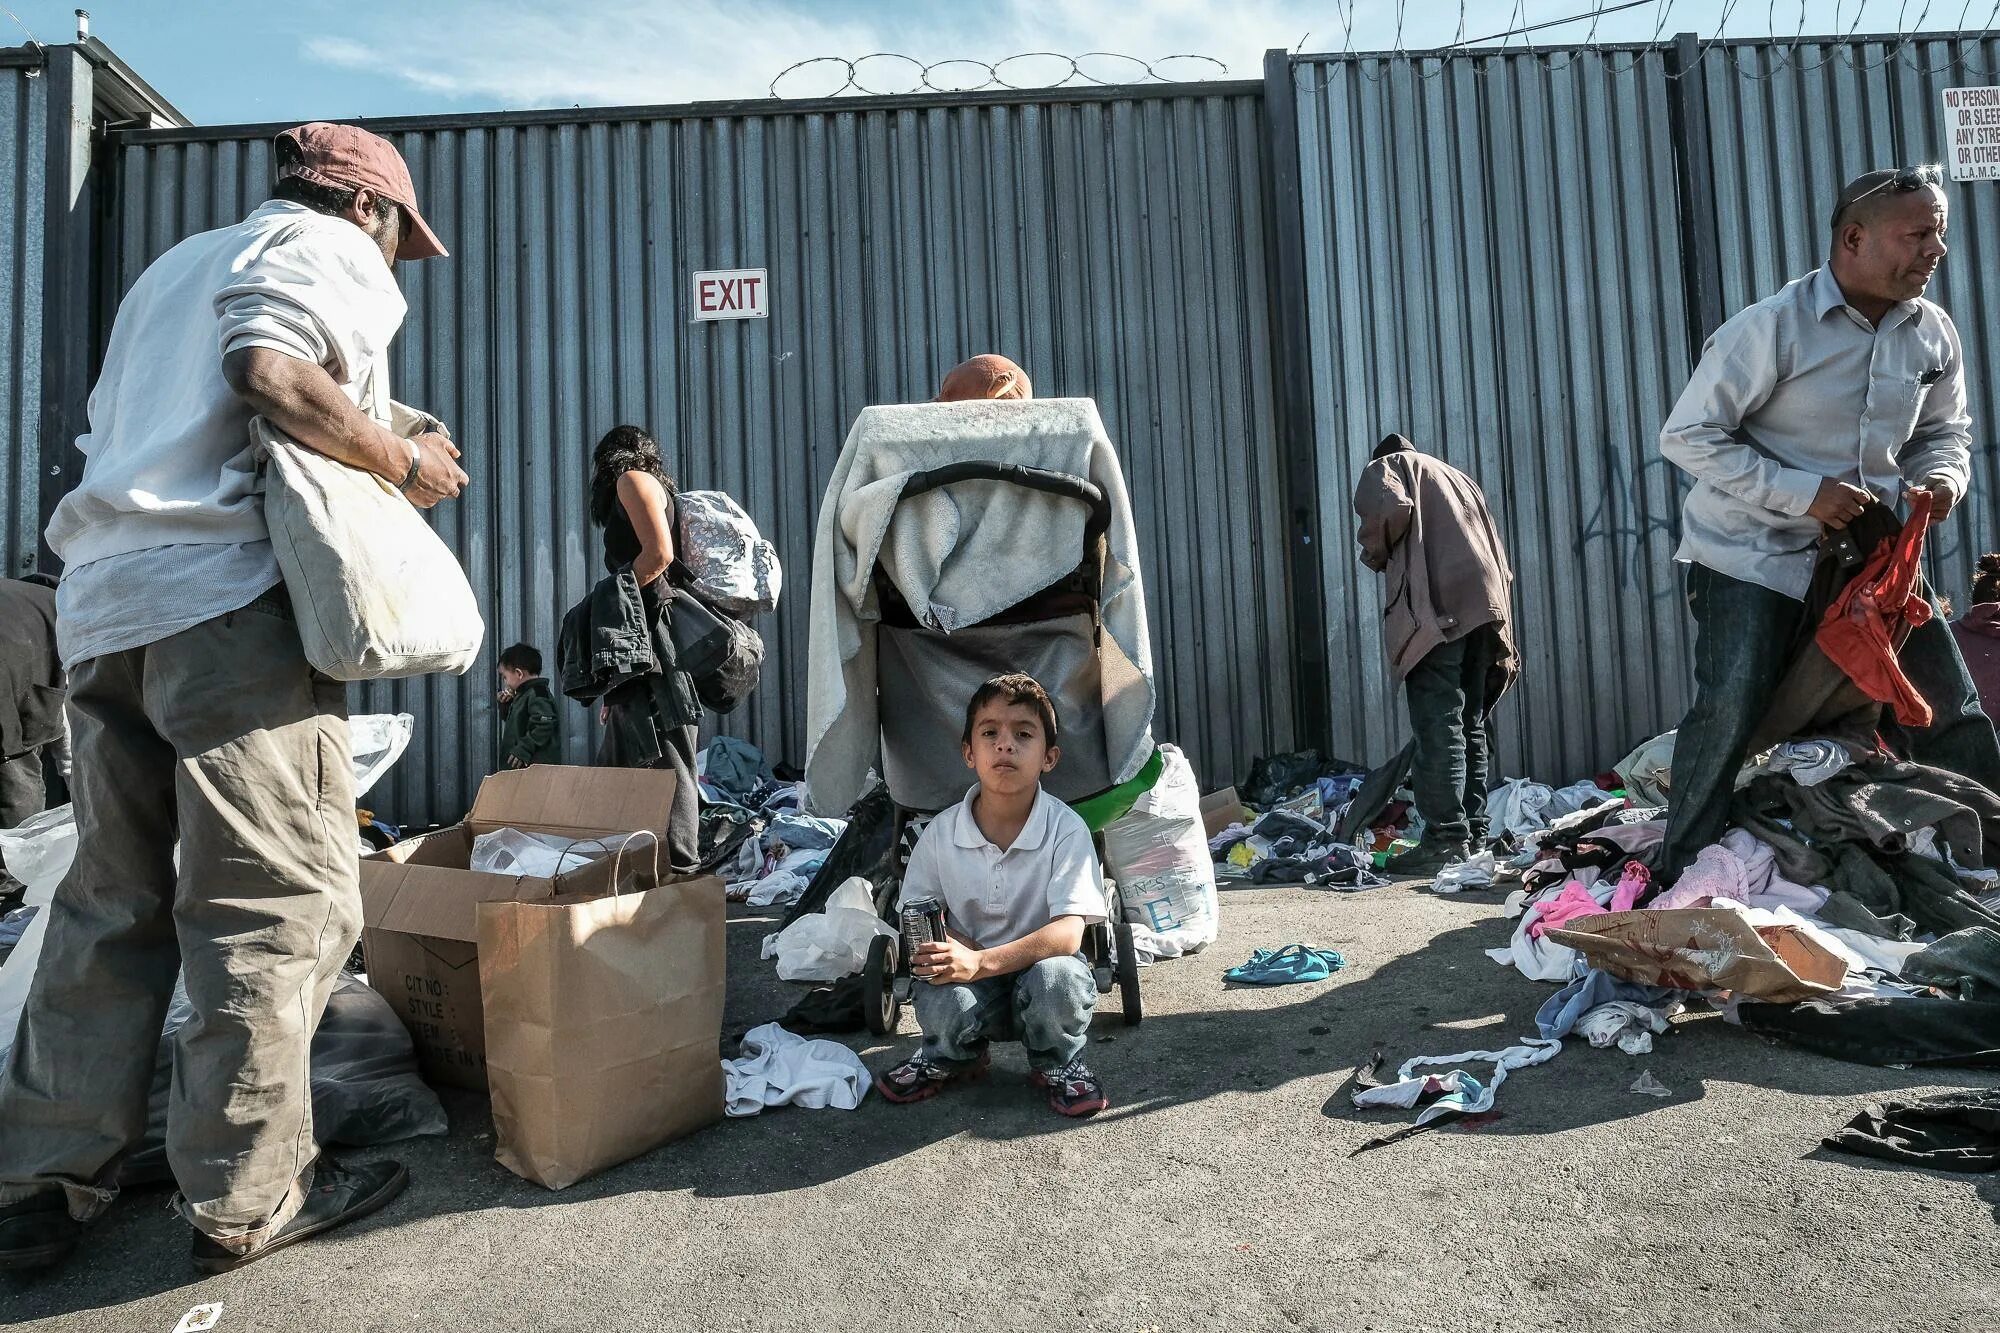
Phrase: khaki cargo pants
(223,738)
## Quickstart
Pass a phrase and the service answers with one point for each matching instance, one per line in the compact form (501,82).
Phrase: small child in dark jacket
(528,733)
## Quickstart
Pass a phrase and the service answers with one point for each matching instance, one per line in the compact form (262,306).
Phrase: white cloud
(517,53)
(522,53)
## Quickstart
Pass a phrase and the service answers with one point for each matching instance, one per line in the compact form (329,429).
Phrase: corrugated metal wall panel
(1114,247)
(1790,127)
(23,178)
(1493,270)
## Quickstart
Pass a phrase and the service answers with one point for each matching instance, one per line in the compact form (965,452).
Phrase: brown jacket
(1426,525)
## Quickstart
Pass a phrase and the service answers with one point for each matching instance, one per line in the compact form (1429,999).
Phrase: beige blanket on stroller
(959,555)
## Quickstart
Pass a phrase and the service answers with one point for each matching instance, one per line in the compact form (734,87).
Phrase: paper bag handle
(617,856)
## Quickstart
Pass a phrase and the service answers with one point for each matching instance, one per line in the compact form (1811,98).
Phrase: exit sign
(731,293)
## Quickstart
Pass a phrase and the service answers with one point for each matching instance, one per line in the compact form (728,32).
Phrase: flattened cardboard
(1706,948)
(420,898)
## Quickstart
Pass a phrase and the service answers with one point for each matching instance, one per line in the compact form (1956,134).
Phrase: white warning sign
(1972,133)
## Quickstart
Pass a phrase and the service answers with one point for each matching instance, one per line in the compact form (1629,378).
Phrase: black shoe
(38,1232)
(1426,859)
(339,1194)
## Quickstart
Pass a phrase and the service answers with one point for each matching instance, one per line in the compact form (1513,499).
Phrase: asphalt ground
(1217,1193)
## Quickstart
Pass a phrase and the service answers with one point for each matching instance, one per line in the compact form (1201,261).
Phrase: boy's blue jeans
(1046,1008)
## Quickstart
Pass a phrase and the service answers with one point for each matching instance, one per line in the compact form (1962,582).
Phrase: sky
(235,61)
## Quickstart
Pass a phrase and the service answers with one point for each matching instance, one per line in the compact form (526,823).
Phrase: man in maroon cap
(197,721)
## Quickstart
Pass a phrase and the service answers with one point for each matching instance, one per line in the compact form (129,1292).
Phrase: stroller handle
(1020,474)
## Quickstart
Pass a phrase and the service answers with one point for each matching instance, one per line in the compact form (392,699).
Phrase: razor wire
(1759,60)
(967,75)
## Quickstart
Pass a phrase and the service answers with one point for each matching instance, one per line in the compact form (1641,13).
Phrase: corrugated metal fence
(1500,264)
(1493,269)
(23,174)
(1113,244)
(1507,256)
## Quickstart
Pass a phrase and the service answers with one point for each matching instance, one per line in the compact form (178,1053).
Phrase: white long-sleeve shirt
(1800,388)
(166,528)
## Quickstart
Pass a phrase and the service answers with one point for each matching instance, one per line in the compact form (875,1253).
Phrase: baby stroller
(960,541)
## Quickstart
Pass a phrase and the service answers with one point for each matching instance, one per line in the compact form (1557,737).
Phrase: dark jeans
(1744,637)
(1451,698)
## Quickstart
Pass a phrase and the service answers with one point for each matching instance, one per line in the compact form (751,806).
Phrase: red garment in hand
(1874,611)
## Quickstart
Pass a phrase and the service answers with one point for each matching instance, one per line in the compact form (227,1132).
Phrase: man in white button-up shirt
(1845,387)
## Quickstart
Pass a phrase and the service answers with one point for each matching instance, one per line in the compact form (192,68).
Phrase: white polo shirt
(994,897)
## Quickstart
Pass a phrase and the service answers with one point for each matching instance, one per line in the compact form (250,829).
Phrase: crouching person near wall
(1017,875)
(198,721)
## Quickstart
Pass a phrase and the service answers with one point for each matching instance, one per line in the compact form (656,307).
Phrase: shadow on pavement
(1443,997)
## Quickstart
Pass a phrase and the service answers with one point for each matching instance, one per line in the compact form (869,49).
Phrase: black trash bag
(867,849)
(1376,793)
(834,1009)
(365,1085)
(1276,776)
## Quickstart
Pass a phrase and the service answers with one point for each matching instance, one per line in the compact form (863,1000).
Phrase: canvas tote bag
(377,594)
(603,1020)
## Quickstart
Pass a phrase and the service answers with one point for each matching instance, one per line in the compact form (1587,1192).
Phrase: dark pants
(1451,697)
(1744,637)
(634,737)
(22,796)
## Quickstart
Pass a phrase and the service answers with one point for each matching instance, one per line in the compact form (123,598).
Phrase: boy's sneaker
(920,1078)
(1073,1089)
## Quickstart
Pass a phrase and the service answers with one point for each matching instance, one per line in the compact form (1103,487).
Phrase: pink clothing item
(1632,886)
(1574,901)
(1742,869)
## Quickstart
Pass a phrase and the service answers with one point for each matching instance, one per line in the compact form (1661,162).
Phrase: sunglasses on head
(1904,182)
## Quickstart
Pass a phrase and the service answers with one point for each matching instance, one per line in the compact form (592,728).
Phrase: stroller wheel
(1128,976)
(880,1006)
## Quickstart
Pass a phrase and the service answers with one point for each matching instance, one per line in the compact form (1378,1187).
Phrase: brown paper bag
(1705,948)
(603,1023)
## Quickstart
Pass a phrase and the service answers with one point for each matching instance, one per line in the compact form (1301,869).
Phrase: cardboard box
(1221,809)
(420,899)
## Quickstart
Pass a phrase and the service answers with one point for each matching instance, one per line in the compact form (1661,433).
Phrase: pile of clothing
(1314,822)
(755,833)
(1837,853)
(1291,830)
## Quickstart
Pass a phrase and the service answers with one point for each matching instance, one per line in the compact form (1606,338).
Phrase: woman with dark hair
(648,722)
(1978,634)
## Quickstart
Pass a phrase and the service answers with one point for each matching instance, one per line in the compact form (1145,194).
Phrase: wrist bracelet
(416,463)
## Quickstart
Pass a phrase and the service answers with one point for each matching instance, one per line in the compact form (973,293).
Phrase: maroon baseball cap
(346,157)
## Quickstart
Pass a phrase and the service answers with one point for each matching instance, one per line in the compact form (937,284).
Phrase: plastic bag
(38,853)
(512,851)
(365,1085)
(733,567)
(1158,854)
(377,741)
(865,850)
(829,945)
